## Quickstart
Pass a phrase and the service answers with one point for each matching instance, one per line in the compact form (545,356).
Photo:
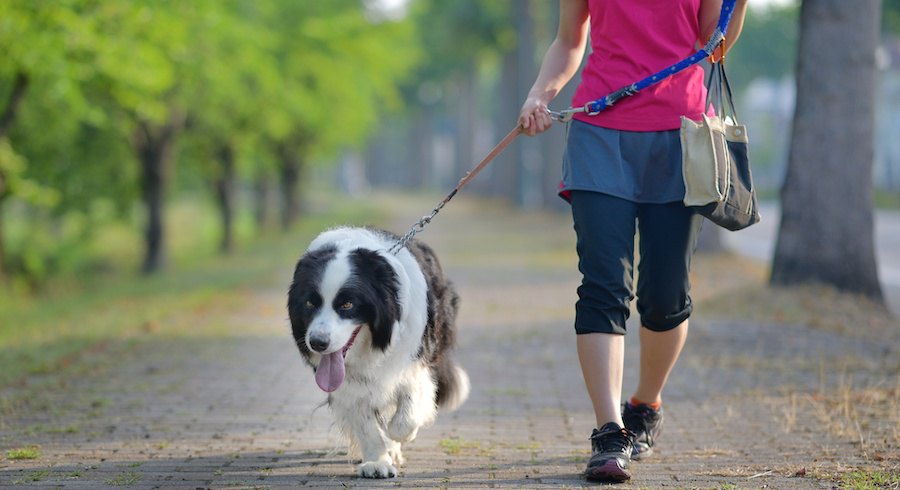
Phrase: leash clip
(565,115)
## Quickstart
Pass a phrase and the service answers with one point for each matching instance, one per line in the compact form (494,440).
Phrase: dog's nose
(318,344)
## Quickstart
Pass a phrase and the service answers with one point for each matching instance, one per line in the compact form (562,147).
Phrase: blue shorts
(605,226)
(640,166)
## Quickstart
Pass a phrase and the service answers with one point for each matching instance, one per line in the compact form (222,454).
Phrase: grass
(33,477)
(725,286)
(870,480)
(886,199)
(30,452)
(125,479)
(47,333)
(454,445)
(864,411)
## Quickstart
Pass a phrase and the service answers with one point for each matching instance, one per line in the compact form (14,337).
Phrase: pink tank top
(630,40)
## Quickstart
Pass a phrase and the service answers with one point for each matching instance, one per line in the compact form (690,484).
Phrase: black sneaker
(646,424)
(610,454)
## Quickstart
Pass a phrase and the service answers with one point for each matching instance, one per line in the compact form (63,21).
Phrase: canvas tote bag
(716,160)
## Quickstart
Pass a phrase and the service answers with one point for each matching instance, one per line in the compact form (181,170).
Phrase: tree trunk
(263,203)
(421,149)
(466,120)
(528,194)
(291,166)
(225,190)
(16,95)
(155,149)
(827,232)
(3,266)
(506,170)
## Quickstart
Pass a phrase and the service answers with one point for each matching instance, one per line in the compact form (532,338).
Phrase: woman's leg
(602,356)
(605,227)
(668,237)
(659,352)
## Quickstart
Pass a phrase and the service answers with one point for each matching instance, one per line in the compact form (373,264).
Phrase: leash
(420,225)
(591,108)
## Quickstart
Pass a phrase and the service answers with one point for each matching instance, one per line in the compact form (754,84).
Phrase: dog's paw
(396,454)
(377,469)
(401,429)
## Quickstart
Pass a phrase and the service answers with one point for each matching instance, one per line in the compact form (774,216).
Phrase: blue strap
(596,106)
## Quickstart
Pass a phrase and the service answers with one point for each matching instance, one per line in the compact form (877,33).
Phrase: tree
(340,68)
(44,46)
(232,73)
(105,104)
(826,232)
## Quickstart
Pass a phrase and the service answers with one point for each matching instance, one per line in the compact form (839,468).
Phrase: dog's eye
(309,304)
(347,306)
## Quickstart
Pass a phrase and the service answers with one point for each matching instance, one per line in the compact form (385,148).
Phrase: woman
(622,174)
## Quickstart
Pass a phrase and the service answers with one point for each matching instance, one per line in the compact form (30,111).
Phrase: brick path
(238,410)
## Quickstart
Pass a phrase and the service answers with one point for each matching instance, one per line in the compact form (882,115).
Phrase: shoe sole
(609,471)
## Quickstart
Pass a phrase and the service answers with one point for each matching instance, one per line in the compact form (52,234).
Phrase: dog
(378,330)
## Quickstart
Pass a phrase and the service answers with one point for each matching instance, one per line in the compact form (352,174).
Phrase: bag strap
(718,91)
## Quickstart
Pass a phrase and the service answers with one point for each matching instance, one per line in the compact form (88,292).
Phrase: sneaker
(610,454)
(646,424)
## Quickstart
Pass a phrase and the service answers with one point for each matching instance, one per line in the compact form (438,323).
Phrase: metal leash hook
(415,229)
(564,115)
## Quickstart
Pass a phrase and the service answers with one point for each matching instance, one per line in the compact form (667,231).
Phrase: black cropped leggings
(605,227)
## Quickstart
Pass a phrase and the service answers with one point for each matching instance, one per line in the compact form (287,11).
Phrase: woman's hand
(534,117)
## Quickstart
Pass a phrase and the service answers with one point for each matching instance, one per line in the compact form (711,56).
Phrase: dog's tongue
(330,373)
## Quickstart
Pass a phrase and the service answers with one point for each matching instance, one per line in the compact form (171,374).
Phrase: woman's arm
(560,63)
(709,17)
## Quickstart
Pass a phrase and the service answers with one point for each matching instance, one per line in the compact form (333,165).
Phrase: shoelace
(613,440)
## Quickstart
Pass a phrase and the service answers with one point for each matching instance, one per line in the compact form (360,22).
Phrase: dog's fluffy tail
(453,387)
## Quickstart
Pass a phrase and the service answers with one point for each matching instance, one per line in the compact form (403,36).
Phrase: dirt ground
(774,389)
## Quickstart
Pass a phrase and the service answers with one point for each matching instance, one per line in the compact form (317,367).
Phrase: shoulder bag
(716,160)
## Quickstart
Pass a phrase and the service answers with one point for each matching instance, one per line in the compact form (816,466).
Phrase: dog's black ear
(307,277)
(379,281)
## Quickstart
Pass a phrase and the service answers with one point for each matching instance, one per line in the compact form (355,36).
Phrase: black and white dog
(377,329)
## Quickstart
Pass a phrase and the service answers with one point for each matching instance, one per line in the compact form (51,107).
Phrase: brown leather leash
(420,225)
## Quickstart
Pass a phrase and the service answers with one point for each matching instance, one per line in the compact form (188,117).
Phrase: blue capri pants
(605,226)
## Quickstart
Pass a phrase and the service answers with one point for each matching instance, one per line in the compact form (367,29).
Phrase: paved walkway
(748,407)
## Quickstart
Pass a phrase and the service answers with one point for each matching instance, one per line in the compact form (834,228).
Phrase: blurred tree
(340,67)
(767,47)
(234,73)
(446,90)
(143,71)
(229,90)
(826,232)
(891,17)
(46,46)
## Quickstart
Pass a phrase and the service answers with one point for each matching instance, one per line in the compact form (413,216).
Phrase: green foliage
(258,78)
(768,45)
(340,70)
(890,17)
(458,37)
(14,182)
